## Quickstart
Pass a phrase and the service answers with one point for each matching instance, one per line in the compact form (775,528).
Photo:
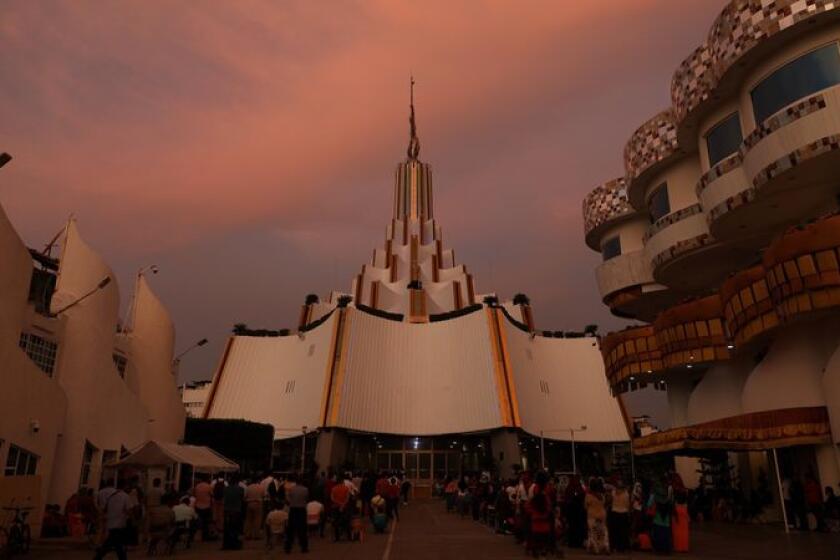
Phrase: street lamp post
(572,432)
(303,430)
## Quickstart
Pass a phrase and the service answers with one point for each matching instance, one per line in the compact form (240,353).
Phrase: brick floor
(427,532)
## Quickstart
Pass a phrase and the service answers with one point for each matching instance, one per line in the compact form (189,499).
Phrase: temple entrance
(424,461)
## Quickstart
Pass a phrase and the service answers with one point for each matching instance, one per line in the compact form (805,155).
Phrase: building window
(87,464)
(810,73)
(611,248)
(120,362)
(658,204)
(20,462)
(40,350)
(724,139)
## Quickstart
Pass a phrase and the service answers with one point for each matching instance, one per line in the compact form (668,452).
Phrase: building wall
(275,380)
(28,396)
(152,342)
(418,379)
(560,384)
(102,409)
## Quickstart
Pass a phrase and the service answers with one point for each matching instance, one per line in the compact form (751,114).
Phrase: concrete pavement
(427,532)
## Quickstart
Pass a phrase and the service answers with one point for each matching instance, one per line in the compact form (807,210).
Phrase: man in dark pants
(115,505)
(297,496)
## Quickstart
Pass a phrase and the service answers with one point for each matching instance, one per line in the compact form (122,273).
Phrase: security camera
(35,426)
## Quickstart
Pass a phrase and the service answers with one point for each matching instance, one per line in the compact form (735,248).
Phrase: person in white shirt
(315,517)
(185,517)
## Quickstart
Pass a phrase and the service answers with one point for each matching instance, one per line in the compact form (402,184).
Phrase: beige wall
(28,396)
(681,177)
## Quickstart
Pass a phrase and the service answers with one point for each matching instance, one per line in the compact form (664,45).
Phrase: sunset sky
(248,148)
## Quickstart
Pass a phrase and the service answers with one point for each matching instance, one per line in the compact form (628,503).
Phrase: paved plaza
(427,532)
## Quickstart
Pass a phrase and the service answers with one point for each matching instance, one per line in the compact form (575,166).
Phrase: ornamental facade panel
(606,202)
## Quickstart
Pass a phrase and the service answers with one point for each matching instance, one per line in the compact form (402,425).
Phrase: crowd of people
(546,514)
(285,510)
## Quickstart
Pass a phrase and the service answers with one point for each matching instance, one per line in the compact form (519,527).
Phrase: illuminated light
(689,366)
(730,346)
(650,371)
(632,378)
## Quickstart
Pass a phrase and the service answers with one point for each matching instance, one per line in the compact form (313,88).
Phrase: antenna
(413,142)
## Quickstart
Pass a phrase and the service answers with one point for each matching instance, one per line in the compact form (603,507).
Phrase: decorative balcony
(741,26)
(606,204)
(674,237)
(691,334)
(627,286)
(651,144)
(631,356)
(803,269)
(747,306)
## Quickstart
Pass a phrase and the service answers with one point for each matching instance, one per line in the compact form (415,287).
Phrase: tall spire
(413,142)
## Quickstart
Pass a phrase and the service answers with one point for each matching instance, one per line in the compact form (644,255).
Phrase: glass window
(611,248)
(659,205)
(41,351)
(800,78)
(20,462)
(87,464)
(120,362)
(724,139)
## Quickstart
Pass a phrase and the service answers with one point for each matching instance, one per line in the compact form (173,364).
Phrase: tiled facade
(739,28)
(651,143)
(606,202)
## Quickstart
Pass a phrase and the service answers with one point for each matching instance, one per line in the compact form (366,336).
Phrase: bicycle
(17,537)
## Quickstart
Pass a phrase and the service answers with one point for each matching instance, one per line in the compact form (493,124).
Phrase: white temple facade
(413,370)
(78,389)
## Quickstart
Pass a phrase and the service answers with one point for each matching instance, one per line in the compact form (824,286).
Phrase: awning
(160,454)
(754,431)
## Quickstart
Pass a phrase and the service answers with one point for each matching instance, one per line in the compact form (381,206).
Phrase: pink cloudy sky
(248,147)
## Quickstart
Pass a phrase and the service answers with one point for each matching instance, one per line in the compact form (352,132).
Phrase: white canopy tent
(160,454)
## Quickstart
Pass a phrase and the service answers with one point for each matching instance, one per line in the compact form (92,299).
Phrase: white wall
(578,392)
(419,379)
(152,340)
(101,407)
(275,380)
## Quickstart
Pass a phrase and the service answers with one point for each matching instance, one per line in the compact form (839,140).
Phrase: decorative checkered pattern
(606,202)
(741,26)
(651,143)
(671,219)
(682,247)
(783,118)
(723,167)
(693,81)
(809,151)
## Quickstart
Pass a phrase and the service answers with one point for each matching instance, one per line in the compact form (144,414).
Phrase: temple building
(413,370)
(722,238)
(79,387)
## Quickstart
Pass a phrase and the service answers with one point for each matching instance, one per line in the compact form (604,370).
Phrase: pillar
(331,449)
(505,447)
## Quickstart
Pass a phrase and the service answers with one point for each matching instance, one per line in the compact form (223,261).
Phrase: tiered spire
(413,142)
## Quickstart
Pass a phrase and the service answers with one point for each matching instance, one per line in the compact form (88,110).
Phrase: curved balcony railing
(675,235)
(803,268)
(747,306)
(630,355)
(692,333)
(606,203)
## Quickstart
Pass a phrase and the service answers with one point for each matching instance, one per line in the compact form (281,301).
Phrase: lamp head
(104,282)
(202,342)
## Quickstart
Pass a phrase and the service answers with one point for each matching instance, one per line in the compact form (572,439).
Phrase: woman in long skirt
(597,541)
(661,504)
(679,522)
